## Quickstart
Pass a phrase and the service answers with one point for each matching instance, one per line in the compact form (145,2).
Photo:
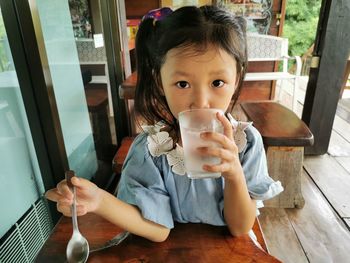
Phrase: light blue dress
(163,196)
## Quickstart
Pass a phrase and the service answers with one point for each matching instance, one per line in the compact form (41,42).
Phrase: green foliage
(300,24)
(3,55)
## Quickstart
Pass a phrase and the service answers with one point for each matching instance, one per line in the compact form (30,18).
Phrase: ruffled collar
(159,143)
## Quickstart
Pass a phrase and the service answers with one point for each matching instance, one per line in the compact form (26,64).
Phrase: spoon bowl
(78,247)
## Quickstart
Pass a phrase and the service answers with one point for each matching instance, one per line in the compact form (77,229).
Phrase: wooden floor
(319,232)
(343,109)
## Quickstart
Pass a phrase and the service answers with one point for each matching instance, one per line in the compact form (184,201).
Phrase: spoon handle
(69,175)
(74,211)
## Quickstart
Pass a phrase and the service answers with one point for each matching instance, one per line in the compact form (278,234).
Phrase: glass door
(54,33)
(48,88)
(24,219)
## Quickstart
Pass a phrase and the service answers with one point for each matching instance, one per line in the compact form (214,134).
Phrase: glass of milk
(192,124)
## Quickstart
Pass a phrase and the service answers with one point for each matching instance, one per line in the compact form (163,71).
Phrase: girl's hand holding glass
(88,196)
(230,166)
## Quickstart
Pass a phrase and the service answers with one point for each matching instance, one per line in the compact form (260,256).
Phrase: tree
(4,62)
(300,24)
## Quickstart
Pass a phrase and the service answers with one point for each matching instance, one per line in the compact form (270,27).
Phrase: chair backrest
(97,69)
(266,47)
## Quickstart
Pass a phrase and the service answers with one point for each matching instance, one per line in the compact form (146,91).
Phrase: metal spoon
(78,248)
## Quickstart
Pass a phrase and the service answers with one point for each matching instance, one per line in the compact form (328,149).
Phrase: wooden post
(115,66)
(330,56)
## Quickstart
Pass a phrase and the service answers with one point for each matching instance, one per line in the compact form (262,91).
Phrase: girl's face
(195,80)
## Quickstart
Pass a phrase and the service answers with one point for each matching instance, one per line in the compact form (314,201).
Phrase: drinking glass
(192,124)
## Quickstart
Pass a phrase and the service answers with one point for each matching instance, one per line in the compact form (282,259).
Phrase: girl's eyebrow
(214,72)
(220,71)
(181,73)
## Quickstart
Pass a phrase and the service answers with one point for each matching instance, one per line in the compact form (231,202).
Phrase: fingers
(221,139)
(53,195)
(67,209)
(225,139)
(227,159)
(82,184)
(217,152)
(62,195)
(86,192)
(77,182)
(64,190)
(220,168)
(228,131)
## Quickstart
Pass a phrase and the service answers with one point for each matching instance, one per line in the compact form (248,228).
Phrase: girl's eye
(182,84)
(217,83)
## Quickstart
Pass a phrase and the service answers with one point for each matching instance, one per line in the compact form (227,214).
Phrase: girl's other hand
(88,196)
(230,166)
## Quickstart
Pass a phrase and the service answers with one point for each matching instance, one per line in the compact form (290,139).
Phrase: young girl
(193,58)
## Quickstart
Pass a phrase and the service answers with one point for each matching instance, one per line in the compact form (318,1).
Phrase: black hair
(188,26)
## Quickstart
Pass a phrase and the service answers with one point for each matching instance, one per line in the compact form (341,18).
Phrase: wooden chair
(99,78)
(119,158)
(285,137)
(272,48)
(97,102)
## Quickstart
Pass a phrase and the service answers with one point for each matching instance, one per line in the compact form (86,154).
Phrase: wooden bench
(285,137)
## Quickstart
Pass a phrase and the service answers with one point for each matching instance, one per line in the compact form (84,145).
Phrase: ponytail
(149,99)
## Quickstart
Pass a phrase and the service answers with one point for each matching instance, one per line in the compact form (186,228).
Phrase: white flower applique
(240,137)
(176,160)
(153,129)
(159,143)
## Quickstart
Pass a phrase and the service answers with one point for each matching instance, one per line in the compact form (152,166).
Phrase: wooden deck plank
(332,179)
(280,237)
(347,222)
(342,127)
(345,104)
(322,233)
(345,162)
(338,146)
(343,109)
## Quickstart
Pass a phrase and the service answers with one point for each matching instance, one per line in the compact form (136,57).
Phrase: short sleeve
(253,159)
(142,185)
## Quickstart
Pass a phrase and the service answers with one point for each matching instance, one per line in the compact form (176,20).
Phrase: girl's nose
(200,100)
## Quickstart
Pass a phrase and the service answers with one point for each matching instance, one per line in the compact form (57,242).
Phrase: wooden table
(186,243)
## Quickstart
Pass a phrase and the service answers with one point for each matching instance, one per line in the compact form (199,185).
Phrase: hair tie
(158,14)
